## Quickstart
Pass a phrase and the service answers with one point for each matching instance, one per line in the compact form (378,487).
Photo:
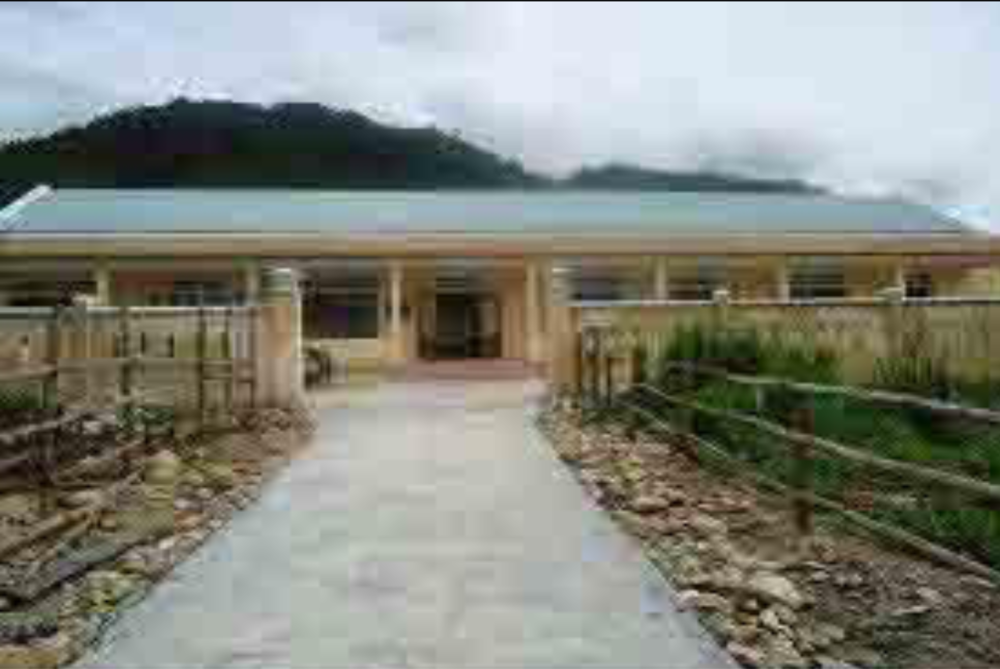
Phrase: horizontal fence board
(965,485)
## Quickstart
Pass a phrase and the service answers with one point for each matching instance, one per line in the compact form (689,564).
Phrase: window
(700,284)
(341,315)
(201,293)
(919,285)
(817,281)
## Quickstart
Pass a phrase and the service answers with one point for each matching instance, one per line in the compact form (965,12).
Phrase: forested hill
(228,144)
(629,177)
(216,144)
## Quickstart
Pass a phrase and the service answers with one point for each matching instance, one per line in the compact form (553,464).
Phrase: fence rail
(774,426)
(62,367)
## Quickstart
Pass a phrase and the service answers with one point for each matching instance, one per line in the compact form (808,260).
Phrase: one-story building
(395,277)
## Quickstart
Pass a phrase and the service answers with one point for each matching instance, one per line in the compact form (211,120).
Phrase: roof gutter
(8,214)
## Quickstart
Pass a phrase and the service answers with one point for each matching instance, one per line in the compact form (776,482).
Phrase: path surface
(428,526)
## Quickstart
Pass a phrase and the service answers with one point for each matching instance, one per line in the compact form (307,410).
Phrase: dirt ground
(857,602)
(118,527)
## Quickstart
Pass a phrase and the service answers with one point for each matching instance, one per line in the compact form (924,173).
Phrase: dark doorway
(466,326)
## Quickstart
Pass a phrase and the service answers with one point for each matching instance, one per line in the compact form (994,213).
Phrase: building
(393,277)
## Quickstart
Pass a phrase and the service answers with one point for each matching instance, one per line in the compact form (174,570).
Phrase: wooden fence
(60,368)
(961,335)
(619,372)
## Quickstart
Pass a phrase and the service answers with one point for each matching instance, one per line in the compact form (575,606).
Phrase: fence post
(278,363)
(125,378)
(227,357)
(50,385)
(892,320)
(201,348)
(720,314)
(803,420)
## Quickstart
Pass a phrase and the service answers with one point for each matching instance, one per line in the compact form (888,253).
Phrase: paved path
(428,526)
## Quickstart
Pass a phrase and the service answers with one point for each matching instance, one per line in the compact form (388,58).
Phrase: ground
(428,525)
(856,602)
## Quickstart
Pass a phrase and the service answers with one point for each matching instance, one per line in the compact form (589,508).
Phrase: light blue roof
(85,211)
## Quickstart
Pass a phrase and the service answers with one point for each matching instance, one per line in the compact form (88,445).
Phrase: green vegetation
(228,144)
(910,435)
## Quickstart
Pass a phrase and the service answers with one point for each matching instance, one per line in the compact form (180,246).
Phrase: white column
(102,278)
(532,314)
(782,281)
(251,283)
(397,354)
(899,278)
(661,280)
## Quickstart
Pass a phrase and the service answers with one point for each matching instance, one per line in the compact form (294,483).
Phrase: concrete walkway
(428,526)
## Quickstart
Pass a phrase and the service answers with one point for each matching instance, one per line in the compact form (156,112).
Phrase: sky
(866,98)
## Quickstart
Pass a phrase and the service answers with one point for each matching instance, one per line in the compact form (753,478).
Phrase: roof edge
(10,212)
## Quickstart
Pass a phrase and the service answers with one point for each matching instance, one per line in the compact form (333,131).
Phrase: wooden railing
(615,383)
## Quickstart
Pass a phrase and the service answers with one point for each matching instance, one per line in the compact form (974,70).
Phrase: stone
(775,589)
(769,619)
(82,498)
(164,468)
(745,655)
(20,509)
(106,588)
(831,663)
(5,604)
(109,524)
(830,634)
(910,611)
(930,597)
(706,525)
(645,504)
(29,657)
(705,601)
(782,654)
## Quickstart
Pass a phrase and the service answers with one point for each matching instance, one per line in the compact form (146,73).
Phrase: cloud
(869,98)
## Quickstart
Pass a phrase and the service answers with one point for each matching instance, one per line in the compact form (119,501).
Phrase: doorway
(465,326)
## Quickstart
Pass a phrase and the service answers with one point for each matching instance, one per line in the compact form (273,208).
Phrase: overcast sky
(865,97)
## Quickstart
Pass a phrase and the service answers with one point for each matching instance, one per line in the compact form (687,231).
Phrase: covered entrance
(460,316)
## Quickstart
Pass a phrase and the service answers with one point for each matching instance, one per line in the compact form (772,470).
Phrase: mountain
(617,176)
(229,144)
(217,144)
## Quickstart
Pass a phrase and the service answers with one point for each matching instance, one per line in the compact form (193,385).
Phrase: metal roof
(86,211)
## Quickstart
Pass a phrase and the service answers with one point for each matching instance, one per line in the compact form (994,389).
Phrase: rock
(745,655)
(164,468)
(19,509)
(930,597)
(769,619)
(782,654)
(910,611)
(106,588)
(645,504)
(40,656)
(776,589)
(109,523)
(82,498)
(830,663)
(706,525)
(705,601)
(830,634)
(5,604)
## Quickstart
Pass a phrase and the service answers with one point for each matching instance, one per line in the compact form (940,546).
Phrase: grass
(904,434)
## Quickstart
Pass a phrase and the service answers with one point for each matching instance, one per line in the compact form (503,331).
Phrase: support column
(661,280)
(102,279)
(563,342)
(397,352)
(279,364)
(251,283)
(533,317)
(899,278)
(783,281)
